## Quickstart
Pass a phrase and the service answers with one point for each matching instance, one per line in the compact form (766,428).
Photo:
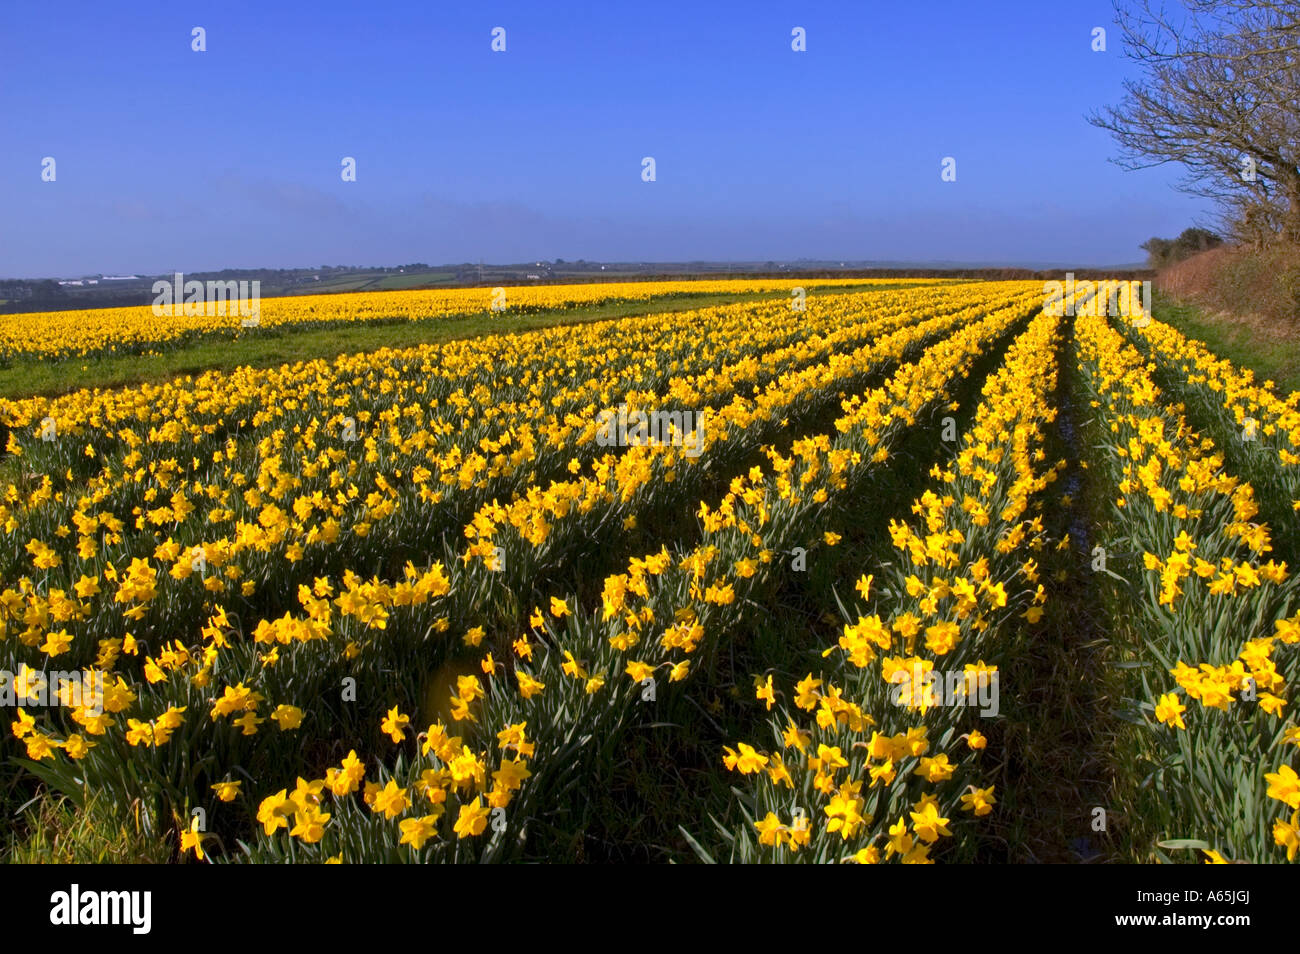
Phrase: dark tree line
(1162,252)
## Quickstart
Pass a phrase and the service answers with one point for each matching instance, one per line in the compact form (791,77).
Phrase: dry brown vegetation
(1257,287)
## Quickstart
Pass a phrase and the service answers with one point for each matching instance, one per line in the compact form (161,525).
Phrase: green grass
(409,280)
(1268,352)
(270,347)
(338,283)
(348,283)
(54,831)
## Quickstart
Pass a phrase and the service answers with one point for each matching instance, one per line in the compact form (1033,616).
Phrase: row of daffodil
(102,331)
(875,758)
(111,568)
(289,525)
(1214,642)
(382,629)
(538,527)
(322,486)
(465,374)
(575,679)
(159,727)
(410,405)
(268,544)
(1265,425)
(473,579)
(585,504)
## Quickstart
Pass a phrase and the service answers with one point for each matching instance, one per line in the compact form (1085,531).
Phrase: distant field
(32,338)
(412,281)
(224,345)
(376,283)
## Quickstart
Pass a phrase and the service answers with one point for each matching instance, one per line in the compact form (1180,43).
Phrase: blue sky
(170,159)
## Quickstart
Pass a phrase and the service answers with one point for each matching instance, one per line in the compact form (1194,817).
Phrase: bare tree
(1220,95)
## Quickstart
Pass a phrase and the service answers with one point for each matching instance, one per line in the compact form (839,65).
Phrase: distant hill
(99,291)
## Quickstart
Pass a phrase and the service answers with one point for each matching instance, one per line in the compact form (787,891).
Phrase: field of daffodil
(98,332)
(410,605)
